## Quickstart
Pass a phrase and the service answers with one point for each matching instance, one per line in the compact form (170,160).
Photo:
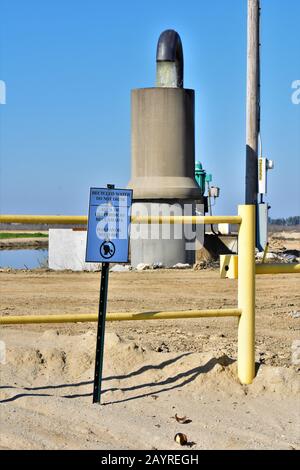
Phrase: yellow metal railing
(242,267)
(246,220)
(44,219)
(186,219)
(280,268)
(82,219)
(92,317)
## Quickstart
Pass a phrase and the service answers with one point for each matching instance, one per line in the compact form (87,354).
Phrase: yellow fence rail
(187,219)
(127,316)
(44,219)
(244,265)
(82,219)
(280,268)
(229,267)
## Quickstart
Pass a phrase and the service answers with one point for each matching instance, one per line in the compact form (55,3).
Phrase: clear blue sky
(69,66)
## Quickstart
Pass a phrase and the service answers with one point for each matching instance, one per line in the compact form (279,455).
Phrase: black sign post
(101,326)
(100,333)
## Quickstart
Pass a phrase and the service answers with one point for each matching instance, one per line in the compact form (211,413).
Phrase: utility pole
(253,101)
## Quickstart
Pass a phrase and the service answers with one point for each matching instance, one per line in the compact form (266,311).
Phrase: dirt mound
(52,357)
(47,386)
(278,380)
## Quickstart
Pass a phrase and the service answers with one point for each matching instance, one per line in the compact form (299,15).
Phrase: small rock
(289,258)
(181,266)
(157,265)
(269,255)
(202,264)
(142,267)
(163,348)
(295,314)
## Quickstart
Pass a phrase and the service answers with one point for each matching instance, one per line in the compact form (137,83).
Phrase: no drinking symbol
(107,249)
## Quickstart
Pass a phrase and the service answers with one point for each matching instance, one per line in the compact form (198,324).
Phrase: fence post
(246,294)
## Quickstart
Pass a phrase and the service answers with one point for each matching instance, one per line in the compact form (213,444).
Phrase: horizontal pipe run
(268,268)
(93,317)
(187,219)
(82,220)
(44,219)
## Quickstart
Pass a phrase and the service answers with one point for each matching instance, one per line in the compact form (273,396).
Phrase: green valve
(200,176)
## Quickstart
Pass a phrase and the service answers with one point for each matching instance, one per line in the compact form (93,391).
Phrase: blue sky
(69,66)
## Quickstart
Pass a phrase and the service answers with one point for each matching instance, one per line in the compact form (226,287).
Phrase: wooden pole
(253,92)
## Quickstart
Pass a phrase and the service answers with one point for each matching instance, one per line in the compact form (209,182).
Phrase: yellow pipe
(44,219)
(229,267)
(82,220)
(187,219)
(92,317)
(289,268)
(246,294)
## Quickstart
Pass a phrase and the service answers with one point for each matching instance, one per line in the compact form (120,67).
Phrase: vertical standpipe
(163,159)
(246,294)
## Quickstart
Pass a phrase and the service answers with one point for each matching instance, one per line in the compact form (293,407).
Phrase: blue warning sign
(108,225)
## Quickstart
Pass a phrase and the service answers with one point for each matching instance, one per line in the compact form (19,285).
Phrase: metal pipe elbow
(169,49)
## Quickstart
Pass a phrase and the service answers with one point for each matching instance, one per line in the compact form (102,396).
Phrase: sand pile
(46,394)
(45,358)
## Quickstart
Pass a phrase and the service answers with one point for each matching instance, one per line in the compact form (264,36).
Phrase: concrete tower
(163,160)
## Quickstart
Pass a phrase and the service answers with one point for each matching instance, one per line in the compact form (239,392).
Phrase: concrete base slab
(67,251)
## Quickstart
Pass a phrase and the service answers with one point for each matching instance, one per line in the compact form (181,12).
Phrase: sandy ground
(153,369)
(281,241)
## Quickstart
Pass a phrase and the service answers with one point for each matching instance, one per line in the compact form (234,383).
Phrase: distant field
(284,228)
(34,227)
(5,235)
